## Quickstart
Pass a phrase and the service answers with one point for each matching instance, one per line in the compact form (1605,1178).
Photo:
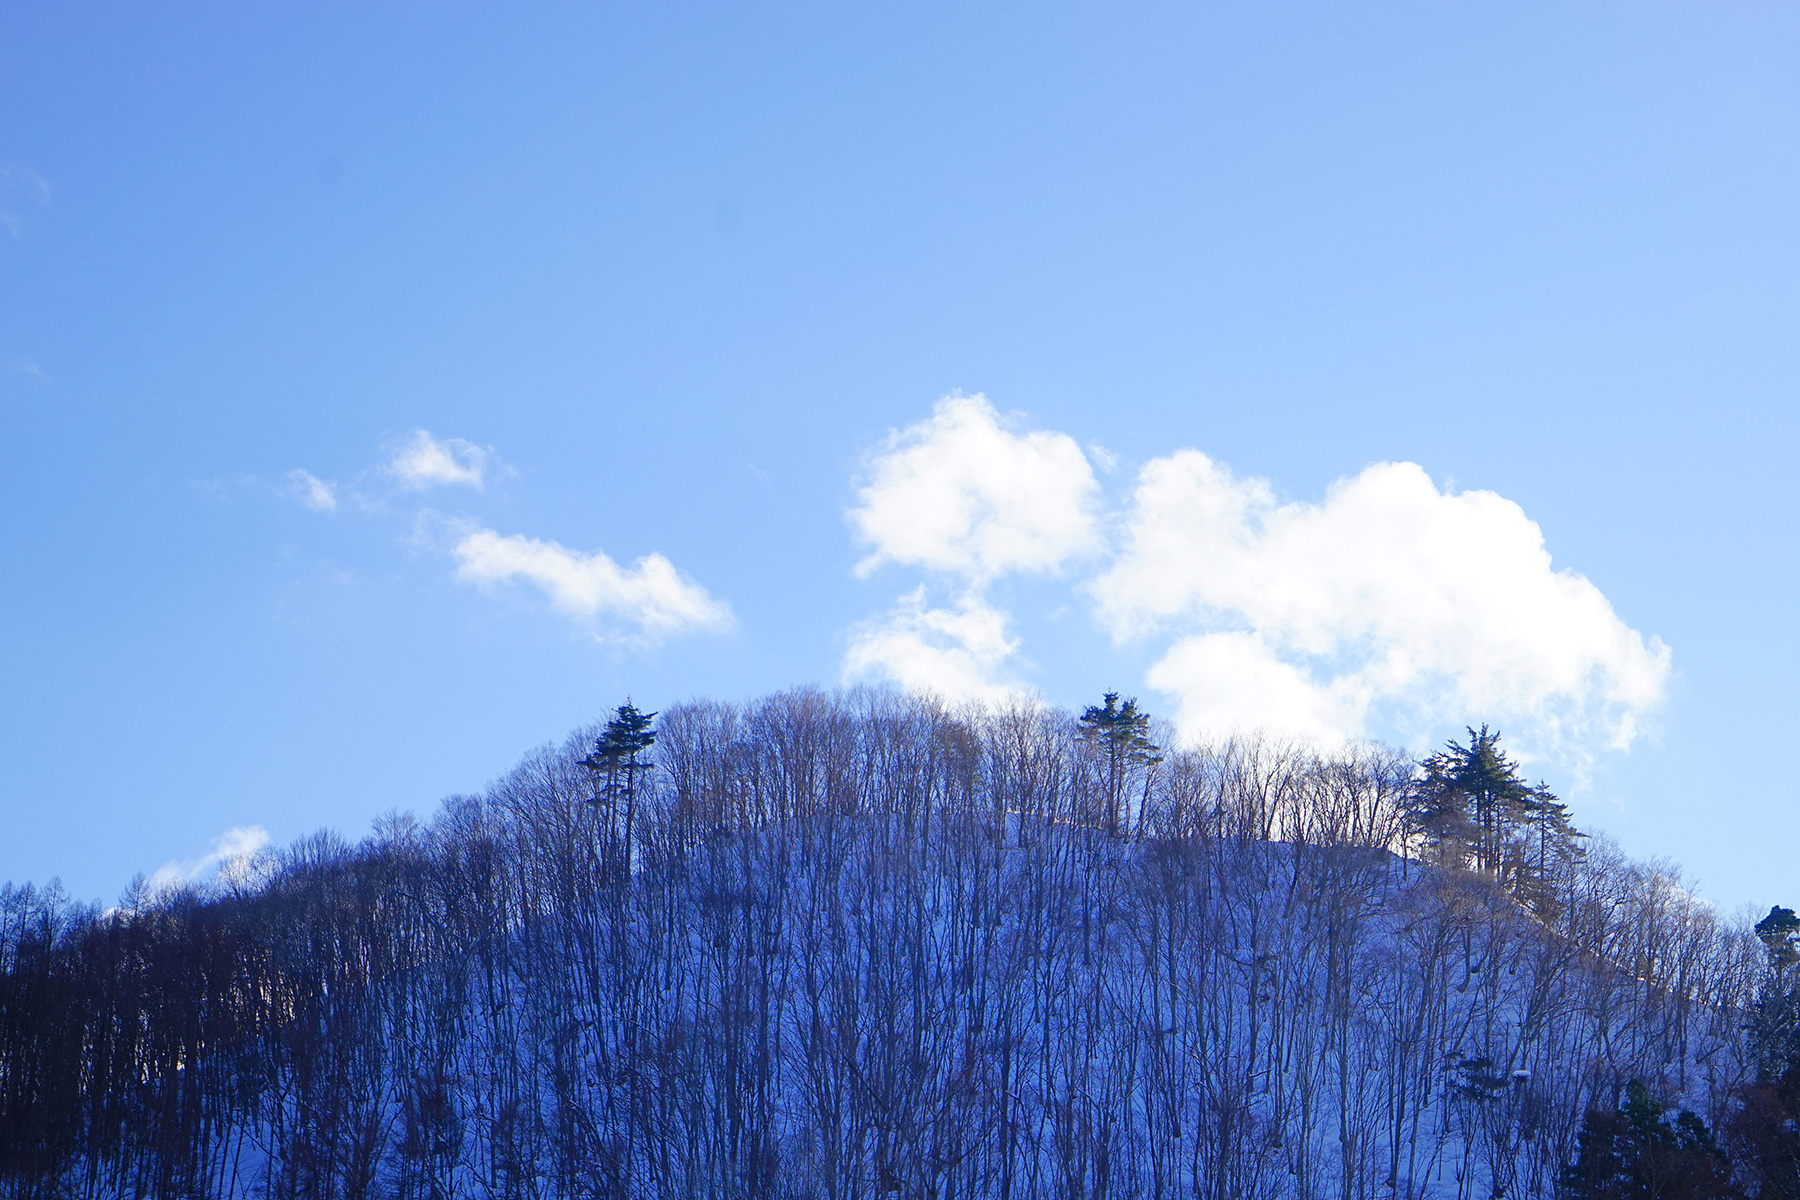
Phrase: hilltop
(846,945)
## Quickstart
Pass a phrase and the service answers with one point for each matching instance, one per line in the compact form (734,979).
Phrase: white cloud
(230,857)
(961,493)
(1233,682)
(965,494)
(424,461)
(958,653)
(641,603)
(1389,601)
(651,595)
(311,491)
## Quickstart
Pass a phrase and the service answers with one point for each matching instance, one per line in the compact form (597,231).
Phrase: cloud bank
(1390,598)
(1390,608)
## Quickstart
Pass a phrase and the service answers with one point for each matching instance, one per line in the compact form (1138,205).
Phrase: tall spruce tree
(615,767)
(1122,734)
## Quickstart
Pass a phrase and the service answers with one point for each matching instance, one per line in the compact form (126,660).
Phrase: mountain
(863,945)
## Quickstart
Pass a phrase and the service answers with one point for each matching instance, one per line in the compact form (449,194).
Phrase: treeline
(863,945)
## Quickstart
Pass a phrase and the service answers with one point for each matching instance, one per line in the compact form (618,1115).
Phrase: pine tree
(1638,1153)
(615,766)
(1550,845)
(1775,1022)
(1764,1129)
(1779,933)
(1123,736)
(1468,802)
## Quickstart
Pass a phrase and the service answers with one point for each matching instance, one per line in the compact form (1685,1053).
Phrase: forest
(860,944)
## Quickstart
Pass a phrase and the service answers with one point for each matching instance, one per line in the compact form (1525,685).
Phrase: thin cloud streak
(312,492)
(20,183)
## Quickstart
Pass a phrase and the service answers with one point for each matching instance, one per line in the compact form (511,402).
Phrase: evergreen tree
(1764,1130)
(1638,1153)
(1779,933)
(1551,845)
(1775,1023)
(615,766)
(1122,734)
(1468,802)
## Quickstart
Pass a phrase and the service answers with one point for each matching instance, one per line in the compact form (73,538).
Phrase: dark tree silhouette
(1639,1153)
(1763,1131)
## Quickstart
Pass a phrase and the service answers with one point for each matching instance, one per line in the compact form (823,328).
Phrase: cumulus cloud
(1236,683)
(959,653)
(311,491)
(969,494)
(424,461)
(231,856)
(961,492)
(1391,608)
(651,595)
(1389,601)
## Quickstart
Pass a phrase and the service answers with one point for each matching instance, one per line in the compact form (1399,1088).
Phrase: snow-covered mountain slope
(849,952)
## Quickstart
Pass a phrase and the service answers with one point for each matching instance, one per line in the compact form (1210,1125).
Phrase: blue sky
(518,289)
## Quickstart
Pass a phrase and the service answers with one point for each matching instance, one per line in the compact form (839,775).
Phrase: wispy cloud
(25,366)
(424,461)
(20,186)
(232,854)
(651,597)
(416,463)
(643,603)
(311,491)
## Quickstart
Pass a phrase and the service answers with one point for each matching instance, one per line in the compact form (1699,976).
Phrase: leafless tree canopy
(857,945)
